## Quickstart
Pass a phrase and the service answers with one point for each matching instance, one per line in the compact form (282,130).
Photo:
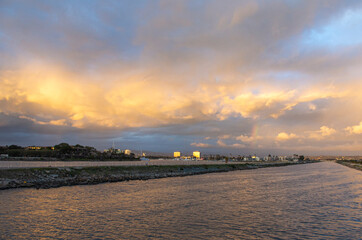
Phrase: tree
(63,148)
(15,147)
(301,158)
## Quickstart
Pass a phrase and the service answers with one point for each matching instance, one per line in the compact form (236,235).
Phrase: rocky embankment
(67,176)
(356,164)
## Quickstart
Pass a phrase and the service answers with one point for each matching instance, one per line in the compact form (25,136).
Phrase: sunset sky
(239,77)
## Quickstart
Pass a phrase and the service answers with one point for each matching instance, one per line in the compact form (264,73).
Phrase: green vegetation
(63,151)
(64,148)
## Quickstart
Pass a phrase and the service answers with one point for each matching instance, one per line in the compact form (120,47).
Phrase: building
(196,154)
(127,152)
(282,158)
(176,154)
(112,150)
(39,148)
(33,148)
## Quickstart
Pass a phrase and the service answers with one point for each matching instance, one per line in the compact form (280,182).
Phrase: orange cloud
(131,101)
(357,129)
(59,122)
(283,136)
(322,133)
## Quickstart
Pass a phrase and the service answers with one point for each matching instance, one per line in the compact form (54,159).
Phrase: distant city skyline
(242,77)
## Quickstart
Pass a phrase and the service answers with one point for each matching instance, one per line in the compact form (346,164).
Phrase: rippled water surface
(319,201)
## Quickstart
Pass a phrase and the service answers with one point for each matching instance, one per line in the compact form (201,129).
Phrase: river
(309,201)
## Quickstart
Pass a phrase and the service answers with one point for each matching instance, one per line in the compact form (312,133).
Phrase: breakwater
(67,176)
(356,164)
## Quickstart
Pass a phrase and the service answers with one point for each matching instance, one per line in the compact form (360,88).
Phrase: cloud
(357,129)
(233,145)
(326,131)
(188,70)
(59,122)
(250,105)
(227,136)
(283,136)
(248,139)
(322,133)
(39,91)
(201,145)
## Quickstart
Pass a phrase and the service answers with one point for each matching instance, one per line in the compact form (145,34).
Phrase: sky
(233,76)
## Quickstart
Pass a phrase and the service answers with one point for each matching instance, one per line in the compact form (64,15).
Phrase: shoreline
(70,176)
(355,164)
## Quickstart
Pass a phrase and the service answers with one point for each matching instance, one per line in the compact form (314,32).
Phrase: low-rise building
(196,154)
(177,154)
(39,148)
(33,148)
(112,150)
(127,152)
(282,158)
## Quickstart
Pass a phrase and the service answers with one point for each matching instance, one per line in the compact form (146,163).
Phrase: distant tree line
(64,151)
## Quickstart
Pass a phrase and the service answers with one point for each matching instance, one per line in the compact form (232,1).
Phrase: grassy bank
(356,164)
(67,176)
